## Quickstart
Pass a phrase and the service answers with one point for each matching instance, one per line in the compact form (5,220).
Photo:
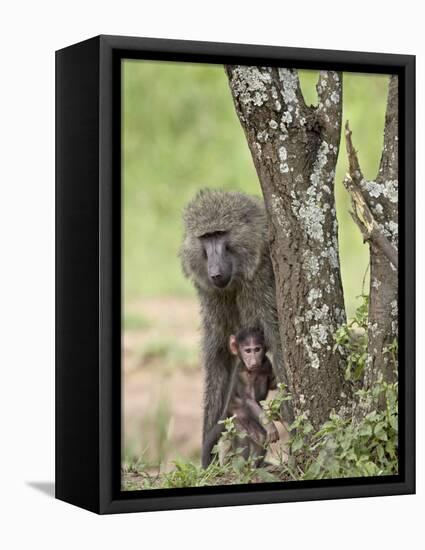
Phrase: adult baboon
(225,253)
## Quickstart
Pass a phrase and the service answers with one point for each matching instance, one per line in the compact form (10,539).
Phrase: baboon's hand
(272,434)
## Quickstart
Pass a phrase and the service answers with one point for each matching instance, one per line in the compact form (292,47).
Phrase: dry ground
(162,380)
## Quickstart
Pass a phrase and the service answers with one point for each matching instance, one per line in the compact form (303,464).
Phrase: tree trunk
(295,150)
(375,205)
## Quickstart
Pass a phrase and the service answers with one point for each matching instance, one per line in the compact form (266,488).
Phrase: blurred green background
(181,132)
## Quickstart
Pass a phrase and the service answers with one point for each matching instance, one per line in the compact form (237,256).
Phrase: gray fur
(249,300)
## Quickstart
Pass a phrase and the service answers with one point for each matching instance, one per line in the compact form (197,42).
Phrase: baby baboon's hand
(272,433)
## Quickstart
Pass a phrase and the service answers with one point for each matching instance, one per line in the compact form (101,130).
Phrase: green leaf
(265,475)
(313,471)
(365,429)
(308,428)
(380,431)
(380,451)
(297,444)
(393,419)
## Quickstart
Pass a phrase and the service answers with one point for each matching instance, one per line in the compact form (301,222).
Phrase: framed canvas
(235,292)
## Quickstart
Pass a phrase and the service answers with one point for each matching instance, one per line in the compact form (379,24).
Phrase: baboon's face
(218,257)
(252,353)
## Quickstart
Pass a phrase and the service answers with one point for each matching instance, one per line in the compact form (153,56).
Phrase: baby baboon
(251,381)
(225,253)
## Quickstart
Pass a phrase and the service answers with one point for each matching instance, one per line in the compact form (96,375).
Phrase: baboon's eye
(204,253)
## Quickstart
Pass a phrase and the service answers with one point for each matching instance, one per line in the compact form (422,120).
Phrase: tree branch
(353,161)
(329,91)
(367,223)
(375,205)
(362,214)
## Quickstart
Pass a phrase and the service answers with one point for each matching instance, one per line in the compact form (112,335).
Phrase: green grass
(137,474)
(169,353)
(181,133)
(135,321)
(154,430)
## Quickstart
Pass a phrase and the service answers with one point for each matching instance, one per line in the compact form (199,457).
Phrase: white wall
(30,32)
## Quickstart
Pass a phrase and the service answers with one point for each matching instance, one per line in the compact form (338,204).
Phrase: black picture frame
(88,273)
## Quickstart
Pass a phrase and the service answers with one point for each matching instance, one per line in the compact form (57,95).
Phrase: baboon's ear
(233,345)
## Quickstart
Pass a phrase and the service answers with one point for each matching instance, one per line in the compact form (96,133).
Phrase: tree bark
(378,222)
(295,149)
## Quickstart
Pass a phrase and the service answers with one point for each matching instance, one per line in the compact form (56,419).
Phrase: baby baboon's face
(218,257)
(252,353)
